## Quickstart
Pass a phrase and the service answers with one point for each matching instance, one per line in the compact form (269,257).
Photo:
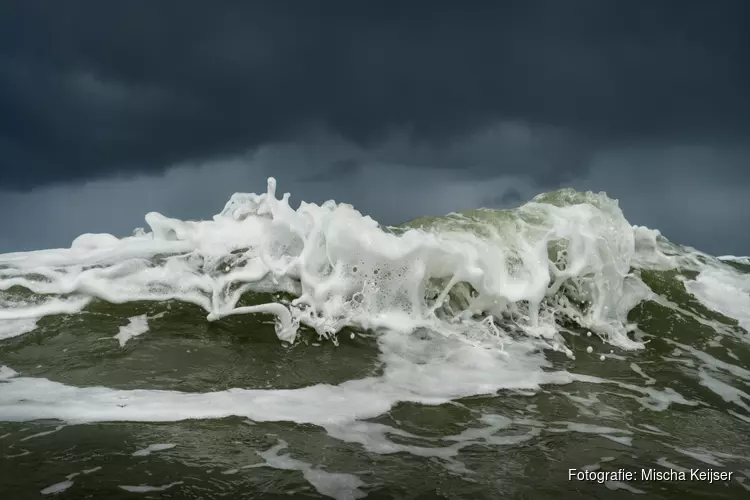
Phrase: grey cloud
(88,89)
(402,109)
(670,189)
(697,196)
(551,155)
(507,198)
(53,216)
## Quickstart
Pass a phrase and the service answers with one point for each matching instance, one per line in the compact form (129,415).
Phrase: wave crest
(564,257)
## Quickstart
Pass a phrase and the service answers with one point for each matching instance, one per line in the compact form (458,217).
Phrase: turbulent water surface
(312,353)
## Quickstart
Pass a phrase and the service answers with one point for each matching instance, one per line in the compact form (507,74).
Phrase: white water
(10,328)
(427,370)
(57,488)
(149,489)
(334,485)
(724,291)
(137,325)
(152,448)
(347,271)
(448,281)
(431,295)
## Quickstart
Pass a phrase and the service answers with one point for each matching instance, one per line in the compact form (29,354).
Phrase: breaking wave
(563,257)
(464,304)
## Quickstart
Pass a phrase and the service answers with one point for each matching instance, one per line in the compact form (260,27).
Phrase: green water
(528,459)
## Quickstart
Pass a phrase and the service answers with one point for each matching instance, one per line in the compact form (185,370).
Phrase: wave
(565,258)
(462,305)
(502,303)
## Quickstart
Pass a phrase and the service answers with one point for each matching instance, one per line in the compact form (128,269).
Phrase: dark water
(526,452)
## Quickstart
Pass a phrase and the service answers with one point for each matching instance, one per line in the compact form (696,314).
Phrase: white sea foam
(439,296)
(152,448)
(619,485)
(339,486)
(143,488)
(137,325)
(10,328)
(452,275)
(41,434)
(416,369)
(734,258)
(57,488)
(725,391)
(6,373)
(423,370)
(726,291)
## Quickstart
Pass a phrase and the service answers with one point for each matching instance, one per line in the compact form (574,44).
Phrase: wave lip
(563,257)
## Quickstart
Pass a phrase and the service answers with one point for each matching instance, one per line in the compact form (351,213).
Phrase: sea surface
(549,351)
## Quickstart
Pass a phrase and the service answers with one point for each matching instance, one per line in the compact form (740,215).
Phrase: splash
(474,303)
(724,291)
(565,257)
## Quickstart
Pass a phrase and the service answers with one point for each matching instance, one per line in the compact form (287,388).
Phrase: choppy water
(116,385)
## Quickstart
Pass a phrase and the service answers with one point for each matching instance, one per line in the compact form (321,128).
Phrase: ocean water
(549,351)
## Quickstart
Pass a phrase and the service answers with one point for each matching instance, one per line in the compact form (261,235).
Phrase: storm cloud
(172,106)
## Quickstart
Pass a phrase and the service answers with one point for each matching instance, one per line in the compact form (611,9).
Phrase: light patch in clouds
(684,192)
(512,148)
(692,194)
(54,216)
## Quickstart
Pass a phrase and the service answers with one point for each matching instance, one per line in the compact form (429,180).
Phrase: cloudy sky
(109,110)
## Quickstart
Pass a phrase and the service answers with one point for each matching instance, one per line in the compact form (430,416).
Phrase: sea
(553,350)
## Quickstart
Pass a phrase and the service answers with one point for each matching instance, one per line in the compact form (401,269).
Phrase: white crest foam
(455,276)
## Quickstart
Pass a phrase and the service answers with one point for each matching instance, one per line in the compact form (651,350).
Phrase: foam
(620,436)
(57,488)
(712,362)
(7,373)
(564,253)
(137,325)
(619,485)
(416,369)
(41,434)
(704,456)
(725,391)
(143,488)
(663,462)
(20,454)
(461,305)
(152,448)
(373,437)
(734,258)
(339,486)
(724,290)
(426,370)
(637,369)
(10,328)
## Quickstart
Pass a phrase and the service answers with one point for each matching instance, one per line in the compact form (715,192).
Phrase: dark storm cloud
(92,88)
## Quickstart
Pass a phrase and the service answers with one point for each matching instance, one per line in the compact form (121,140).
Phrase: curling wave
(438,309)
(563,258)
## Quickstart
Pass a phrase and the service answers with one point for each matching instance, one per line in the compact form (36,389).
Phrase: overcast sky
(109,110)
